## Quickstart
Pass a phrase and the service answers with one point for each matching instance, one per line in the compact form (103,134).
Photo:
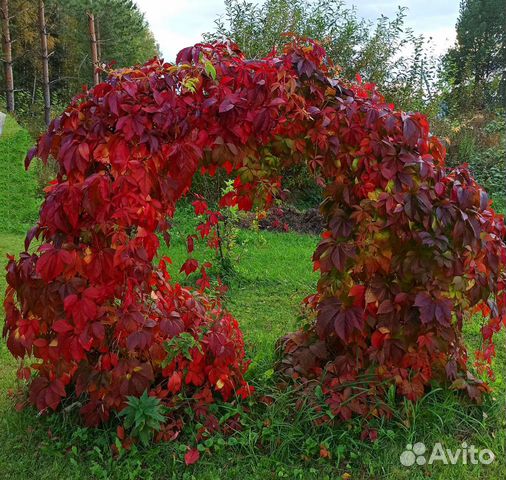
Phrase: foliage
(143,415)
(411,249)
(475,67)
(228,229)
(210,187)
(354,45)
(479,139)
(386,52)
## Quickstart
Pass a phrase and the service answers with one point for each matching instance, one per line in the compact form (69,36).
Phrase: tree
(476,66)
(45,63)
(94,49)
(7,53)
(352,43)
(123,38)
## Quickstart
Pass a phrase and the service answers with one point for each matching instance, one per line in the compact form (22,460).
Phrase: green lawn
(18,202)
(276,441)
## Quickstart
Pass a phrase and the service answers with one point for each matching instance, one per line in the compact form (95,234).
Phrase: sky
(179,23)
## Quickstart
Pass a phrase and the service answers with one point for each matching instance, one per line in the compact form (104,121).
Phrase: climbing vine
(411,251)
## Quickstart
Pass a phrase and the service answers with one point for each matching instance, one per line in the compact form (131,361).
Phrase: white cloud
(431,18)
(179,23)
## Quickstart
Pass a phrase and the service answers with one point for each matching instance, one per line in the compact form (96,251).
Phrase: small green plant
(181,344)
(228,232)
(143,415)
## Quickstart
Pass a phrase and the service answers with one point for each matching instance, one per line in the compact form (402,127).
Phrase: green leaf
(210,70)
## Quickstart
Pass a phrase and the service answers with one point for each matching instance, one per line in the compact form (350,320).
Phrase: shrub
(411,249)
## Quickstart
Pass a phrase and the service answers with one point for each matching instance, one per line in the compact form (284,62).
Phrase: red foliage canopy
(411,249)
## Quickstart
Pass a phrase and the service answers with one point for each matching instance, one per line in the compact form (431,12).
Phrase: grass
(277,440)
(18,202)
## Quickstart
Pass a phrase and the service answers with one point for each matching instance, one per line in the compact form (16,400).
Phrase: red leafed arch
(410,252)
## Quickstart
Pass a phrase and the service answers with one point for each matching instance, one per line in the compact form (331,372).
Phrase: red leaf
(189,266)
(190,244)
(61,326)
(52,262)
(228,200)
(347,321)
(175,382)
(119,153)
(191,456)
(84,151)
(358,294)
(227,105)
(385,307)
(411,131)
(378,337)
(200,207)
(431,308)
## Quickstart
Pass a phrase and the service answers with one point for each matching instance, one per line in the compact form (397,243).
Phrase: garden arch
(411,249)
